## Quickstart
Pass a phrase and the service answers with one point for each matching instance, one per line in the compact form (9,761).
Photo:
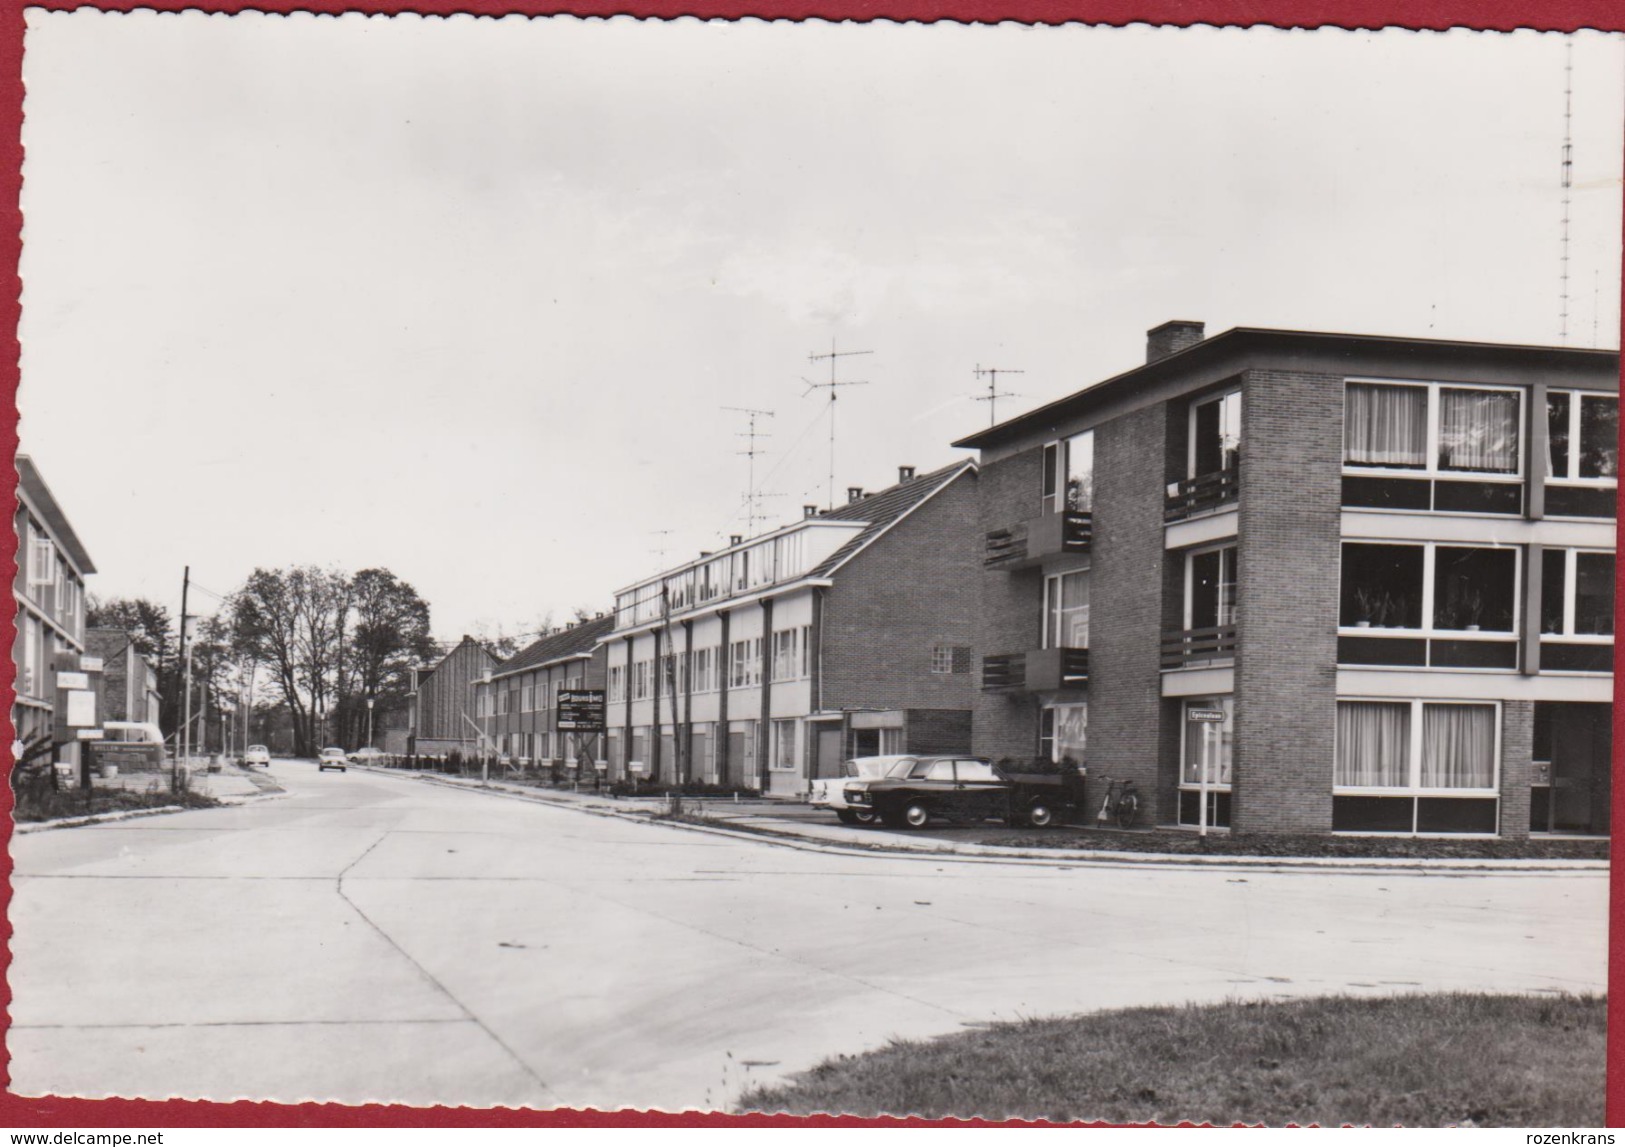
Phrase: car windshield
(257,748)
(875,767)
(332,752)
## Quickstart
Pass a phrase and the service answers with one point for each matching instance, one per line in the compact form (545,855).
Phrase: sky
(469,298)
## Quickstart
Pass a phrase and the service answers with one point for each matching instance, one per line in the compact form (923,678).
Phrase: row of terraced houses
(1363,584)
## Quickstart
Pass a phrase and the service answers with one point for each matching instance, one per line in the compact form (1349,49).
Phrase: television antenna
(993,393)
(832,385)
(1568,181)
(660,550)
(752,496)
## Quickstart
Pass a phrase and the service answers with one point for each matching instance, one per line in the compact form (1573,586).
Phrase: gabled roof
(565,645)
(32,489)
(884,510)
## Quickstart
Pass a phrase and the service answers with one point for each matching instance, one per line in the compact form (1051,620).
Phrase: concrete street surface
(378,938)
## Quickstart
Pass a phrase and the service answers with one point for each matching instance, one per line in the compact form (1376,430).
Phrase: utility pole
(993,394)
(834,357)
(182,748)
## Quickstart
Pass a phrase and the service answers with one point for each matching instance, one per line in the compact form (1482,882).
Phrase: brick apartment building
(1369,581)
(129,679)
(767,663)
(441,713)
(518,703)
(49,591)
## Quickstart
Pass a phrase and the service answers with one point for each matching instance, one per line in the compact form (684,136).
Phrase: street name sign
(1214,715)
(580,711)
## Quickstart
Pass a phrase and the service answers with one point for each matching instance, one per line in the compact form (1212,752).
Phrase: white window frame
(1571,568)
(1414,788)
(42,558)
(1431,468)
(1209,702)
(1190,585)
(1190,426)
(1429,570)
(1576,397)
(779,733)
(1054,501)
(1052,586)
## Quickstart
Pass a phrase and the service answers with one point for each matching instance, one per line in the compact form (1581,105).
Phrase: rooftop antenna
(1568,180)
(660,550)
(752,497)
(834,357)
(993,393)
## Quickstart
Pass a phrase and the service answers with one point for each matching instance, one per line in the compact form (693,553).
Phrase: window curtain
(1478,430)
(1071,731)
(1385,425)
(1458,746)
(1075,611)
(1373,744)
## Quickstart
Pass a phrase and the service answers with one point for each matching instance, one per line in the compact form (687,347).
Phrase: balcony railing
(1036,671)
(1190,648)
(1024,543)
(1202,493)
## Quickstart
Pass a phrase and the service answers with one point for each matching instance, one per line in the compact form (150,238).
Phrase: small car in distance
(366,755)
(331,759)
(256,755)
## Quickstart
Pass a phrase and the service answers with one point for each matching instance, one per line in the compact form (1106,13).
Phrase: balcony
(1201,494)
(1030,542)
(1035,671)
(1197,648)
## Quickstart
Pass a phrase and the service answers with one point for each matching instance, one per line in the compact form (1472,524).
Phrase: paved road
(372,937)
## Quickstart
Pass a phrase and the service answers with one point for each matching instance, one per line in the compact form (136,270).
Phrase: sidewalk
(763,819)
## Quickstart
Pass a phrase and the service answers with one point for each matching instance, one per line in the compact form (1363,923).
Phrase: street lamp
(369,722)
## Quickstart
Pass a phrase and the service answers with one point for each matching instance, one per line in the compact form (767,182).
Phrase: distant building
(766,664)
(49,590)
(442,717)
(129,680)
(518,704)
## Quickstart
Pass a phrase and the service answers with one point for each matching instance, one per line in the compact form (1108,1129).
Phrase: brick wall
(937,731)
(915,586)
(1127,734)
(1517,753)
(1009,618)
(1287,584)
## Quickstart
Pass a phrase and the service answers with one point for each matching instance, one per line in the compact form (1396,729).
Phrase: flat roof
(32,487)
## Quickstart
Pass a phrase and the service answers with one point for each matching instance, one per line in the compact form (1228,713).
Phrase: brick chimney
(735,539)
(854,494)
(1171,338)
(905,473)
(809,511)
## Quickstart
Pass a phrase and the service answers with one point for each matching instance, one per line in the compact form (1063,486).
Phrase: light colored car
(331,759)
(366,755)
(830,792)
(257,755)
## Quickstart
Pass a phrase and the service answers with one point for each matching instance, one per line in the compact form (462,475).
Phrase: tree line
(324,641)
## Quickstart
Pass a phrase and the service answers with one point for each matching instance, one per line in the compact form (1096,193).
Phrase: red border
(1420,15)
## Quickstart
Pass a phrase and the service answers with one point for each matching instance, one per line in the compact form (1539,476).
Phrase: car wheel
(1040,814)
(915,814)
(847,816)
(864,817)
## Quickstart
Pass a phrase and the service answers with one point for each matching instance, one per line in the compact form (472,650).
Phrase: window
(545,746)
(42,558)
(1429,587)
(1432,428)
(788,663)
(1207,740)
(1069,474)
(946,658)
(1577,593)
(1063,731)
(1215,431)
(640,680)
(1582,435)
(617,683)
(745,663)
(1411,766)
(1066,611)
(784,746)
(704,670)
(1210,588)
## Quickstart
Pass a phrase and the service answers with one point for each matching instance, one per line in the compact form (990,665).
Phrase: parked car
(366,755)
(964,789)
(830,792)
(257,755)
(331,759)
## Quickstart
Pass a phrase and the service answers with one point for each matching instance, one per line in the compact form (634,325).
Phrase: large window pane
(1067,611)
(1593,593)
(1080,472)
(1215,739)
(1458,746)
(1599,437)
(1217,435)
(1213,588)
(1373,744)
(1553,571)
(1474,588)
(1071,731)
(1382,586)
(1557,434)
(1478,430)
(1385,425)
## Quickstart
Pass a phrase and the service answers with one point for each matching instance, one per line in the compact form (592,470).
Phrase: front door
(736,770)
(828,748)
(1576,739)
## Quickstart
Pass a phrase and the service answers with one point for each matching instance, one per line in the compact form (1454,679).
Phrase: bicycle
(1122,803)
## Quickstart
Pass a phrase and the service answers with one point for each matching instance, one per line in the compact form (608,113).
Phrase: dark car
(964,789)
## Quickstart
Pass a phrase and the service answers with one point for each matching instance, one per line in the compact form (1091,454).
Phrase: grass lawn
(1273,844)
(1419,1061)
(39,803)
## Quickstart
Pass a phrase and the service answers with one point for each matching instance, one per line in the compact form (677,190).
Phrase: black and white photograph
(969,571)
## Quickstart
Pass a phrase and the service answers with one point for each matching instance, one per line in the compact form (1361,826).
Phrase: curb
(1091,858)
(24,828)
